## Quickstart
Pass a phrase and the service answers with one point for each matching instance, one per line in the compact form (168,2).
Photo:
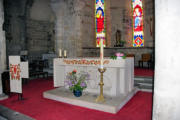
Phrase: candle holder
(65,54)
(100,98)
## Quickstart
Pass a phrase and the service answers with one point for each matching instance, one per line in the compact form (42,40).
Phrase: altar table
(118,78)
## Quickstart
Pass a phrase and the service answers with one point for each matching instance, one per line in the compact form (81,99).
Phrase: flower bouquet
(77,82)
(118,55)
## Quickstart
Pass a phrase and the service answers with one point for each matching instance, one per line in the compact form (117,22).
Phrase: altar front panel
(118,78)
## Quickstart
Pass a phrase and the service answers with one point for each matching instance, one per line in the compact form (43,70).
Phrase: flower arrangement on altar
(77,82)
(118,55)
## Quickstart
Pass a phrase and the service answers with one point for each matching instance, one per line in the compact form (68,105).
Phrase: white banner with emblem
(15,74)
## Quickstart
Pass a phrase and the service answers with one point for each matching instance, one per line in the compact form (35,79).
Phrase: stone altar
(118,78)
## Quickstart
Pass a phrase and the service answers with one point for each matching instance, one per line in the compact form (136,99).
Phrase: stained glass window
(100,22)
(138,34)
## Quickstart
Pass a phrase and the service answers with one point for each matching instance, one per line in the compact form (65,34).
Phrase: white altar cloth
(118,78)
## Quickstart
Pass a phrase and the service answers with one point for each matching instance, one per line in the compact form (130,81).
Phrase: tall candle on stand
(60,53)
(101,54)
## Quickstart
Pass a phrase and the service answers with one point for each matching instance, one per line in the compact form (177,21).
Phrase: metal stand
(100,98)
(20,96)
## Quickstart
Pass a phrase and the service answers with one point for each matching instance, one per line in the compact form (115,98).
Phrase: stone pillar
(167,68)
(2,46)
(71,22)
(59,9)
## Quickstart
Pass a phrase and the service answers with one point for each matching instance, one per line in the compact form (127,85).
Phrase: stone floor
(111,105)
(8,114)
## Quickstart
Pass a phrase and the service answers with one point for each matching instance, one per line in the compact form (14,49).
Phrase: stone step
(143,80)
(2,118)
(8,114)
(144,86)
(144,83)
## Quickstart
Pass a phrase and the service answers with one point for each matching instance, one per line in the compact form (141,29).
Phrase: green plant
(122,41)
(113,57)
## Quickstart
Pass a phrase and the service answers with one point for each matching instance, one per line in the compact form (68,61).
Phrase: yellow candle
(101,53)
(60,53)
(65,53)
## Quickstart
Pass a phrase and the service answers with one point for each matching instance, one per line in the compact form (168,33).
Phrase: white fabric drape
(15,74)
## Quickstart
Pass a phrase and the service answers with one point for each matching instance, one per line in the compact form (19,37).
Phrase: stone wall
(14,25)
(41,11)
(121,18)
(29,25)
(149,24)
(87,24)
(2,45)
(75,24)
(40,28)
(66,31)
(40,37)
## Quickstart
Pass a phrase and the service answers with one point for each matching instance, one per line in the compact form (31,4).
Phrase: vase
(77,93)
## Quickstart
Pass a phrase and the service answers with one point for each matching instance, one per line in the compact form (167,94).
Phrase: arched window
(100,21)
(138,34)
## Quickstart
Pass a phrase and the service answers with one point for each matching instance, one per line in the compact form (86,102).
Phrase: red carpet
(35,106)
(144,72)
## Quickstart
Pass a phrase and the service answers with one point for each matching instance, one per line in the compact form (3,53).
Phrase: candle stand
(100,98)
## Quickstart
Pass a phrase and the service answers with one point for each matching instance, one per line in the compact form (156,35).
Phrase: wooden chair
(145,58)
(37,69)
